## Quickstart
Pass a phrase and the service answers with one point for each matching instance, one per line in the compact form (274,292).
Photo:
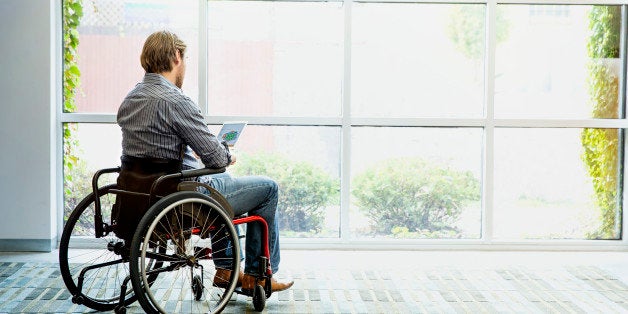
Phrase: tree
(466,29)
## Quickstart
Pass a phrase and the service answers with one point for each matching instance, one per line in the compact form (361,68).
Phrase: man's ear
(177,58)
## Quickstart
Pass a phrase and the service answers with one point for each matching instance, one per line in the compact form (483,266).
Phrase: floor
(384,282)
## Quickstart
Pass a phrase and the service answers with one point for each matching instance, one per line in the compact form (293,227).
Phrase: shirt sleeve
(189,124)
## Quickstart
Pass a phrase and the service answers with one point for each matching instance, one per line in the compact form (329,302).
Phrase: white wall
(29,95)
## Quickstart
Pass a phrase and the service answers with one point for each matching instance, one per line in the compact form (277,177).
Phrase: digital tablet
(230,132)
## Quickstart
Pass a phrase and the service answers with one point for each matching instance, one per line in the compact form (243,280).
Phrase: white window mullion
(623,95)
(203,47)
(489,127)
(345,151)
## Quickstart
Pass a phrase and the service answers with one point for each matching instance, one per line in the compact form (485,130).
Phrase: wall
(30,93)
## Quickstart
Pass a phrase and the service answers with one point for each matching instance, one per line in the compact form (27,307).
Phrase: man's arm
(188,122)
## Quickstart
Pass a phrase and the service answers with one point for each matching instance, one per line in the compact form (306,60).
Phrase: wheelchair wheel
(198,239)
(93,269)
(259,298)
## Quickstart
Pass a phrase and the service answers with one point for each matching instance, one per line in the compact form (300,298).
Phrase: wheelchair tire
(79,249)
(197,287)
(187,276)
(259,298)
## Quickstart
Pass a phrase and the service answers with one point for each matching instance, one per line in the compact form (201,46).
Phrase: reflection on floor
(384,282)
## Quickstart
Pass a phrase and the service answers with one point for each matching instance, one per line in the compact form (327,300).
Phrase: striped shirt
(157,120)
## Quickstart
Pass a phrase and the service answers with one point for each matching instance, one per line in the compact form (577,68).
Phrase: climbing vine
(72,13)
(601,145)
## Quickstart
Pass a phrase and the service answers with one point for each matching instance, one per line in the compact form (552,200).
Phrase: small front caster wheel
(197,287)
(259,298)
(78,299)
(120,309)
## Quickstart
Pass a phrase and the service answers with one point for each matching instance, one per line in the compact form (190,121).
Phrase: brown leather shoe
(221,279)
(248,284)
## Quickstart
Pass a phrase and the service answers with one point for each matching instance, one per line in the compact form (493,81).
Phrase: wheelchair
(172,257)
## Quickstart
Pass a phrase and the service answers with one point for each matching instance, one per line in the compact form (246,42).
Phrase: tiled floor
(385,282)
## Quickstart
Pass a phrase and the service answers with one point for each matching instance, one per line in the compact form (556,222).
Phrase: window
(383,121)
(543,188)
(417,60)
(563,66)
(415,182)
(111,35)
(274,58)
(542,67)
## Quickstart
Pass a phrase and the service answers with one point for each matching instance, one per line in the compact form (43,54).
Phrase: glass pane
(305,162)
(95,146)
(111,35)
(285,59)
(557,61)
(416,182)
(557,184)
(416,60)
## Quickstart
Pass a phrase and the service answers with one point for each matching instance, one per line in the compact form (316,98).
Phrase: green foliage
(605,25)
(72,13)
(77,187)
(603,86)
(412,195)
(466,29)
(601,145)
(304,189)
(600,155)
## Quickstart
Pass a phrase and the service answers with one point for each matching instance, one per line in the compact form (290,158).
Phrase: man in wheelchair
(160,123)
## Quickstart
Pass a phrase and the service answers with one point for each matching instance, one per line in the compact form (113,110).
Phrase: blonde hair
(160,51)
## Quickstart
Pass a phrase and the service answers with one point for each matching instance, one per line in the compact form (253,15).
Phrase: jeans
(255,195)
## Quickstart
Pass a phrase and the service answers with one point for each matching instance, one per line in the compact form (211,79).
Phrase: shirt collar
(156,78)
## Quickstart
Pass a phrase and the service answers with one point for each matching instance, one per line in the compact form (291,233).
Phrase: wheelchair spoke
(174,233)
(164,257)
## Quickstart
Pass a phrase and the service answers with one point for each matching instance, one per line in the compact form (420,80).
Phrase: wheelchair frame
(142,248)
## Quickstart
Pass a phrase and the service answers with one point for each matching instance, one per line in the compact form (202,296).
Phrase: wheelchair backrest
(138,175)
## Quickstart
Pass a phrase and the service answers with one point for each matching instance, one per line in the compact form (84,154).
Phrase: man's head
(164,53)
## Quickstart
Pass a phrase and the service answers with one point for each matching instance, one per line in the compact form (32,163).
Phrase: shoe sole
(225,285)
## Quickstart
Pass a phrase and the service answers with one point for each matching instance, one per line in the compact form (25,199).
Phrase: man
(159,121)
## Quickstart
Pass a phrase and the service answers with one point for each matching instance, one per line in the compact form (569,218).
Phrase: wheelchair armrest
(201,172)
(184,174)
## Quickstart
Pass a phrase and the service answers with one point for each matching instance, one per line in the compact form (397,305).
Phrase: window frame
(488,123)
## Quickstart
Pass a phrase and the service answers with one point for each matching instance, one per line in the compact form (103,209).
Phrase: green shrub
(411,195)
(304,189)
